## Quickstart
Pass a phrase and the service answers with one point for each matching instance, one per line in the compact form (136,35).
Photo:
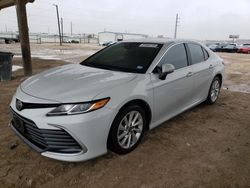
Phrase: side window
(206,56)
(176,56)
(196,52)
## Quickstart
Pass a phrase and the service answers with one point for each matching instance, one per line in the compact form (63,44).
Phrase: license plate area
(19,124)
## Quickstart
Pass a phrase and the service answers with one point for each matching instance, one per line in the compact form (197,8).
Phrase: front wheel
(214,90)
(127,130)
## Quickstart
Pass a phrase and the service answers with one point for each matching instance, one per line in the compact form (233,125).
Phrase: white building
(108,36)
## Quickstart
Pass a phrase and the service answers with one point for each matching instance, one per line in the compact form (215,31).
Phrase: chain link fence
(39,38)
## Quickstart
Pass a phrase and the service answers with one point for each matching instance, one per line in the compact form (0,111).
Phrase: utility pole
(176,25)
(60,38)
(71,28)
(62,27)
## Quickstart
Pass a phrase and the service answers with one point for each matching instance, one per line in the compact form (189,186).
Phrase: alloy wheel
(215,90)
(130,129)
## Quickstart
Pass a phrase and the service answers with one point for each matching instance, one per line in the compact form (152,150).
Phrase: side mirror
(165,70)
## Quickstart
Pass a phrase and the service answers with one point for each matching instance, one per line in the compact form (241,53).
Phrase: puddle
(244,88)
(71,56)
(16,67)
(237,73)
(45,57)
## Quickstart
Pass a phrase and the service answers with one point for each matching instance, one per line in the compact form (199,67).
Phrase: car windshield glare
(132,57)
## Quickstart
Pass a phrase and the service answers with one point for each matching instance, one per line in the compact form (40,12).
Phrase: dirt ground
(207,146)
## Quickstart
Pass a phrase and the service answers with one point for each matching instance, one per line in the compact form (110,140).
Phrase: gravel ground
(207,146)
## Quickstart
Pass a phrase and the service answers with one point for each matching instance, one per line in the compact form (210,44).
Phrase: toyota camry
(106,103)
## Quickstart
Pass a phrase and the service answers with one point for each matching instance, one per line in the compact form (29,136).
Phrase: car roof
(158,40)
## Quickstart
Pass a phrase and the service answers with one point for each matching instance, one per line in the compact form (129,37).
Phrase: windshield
(126,57)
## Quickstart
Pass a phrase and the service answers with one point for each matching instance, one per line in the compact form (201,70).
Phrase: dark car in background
(214,47)
(217,47)
(230,48)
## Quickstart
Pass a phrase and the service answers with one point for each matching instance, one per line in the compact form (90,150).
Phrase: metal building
(109,36)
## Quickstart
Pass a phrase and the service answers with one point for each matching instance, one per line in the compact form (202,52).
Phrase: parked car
(245,49)
(75,41)
(80,111)
(66,41)
(214,47)
(230,48)
(10,38)
(218,47)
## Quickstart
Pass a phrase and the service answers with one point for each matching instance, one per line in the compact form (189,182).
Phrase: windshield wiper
(107,67)
(112,68)
(101,66)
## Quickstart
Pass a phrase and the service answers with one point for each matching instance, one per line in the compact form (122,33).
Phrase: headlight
(70,109)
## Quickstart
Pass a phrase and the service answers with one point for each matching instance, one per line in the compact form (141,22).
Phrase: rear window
(206,55)
(196,52)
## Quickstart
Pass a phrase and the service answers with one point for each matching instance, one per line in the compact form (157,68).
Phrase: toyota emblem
(19,105)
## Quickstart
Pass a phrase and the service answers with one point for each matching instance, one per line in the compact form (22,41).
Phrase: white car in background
(80,111)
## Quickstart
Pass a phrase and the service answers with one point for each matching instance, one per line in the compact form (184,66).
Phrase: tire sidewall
(209,100)
(112,143)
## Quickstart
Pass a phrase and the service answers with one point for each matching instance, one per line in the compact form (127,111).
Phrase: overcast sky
(199,19)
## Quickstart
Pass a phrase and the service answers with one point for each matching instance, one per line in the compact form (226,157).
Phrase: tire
(121,134)
(214,91)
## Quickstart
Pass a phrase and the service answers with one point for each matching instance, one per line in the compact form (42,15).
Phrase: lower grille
(58,141)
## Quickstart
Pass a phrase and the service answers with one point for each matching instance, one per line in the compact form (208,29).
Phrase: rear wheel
(214,90)
(127,130)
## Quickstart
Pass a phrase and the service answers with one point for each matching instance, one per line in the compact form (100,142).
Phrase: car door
(174,94)
(202,70)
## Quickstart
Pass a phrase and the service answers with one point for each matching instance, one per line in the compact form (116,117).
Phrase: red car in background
(245,49)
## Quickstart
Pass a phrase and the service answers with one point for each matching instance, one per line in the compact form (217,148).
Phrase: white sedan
(80,111)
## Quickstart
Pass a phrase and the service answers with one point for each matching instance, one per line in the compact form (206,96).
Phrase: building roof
(9,3)
(120,33)
(150,40)
(159,40)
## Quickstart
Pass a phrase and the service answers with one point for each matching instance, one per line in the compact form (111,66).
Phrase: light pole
(60,38)
(71,28)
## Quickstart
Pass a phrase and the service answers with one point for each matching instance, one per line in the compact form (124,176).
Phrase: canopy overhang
(9,3)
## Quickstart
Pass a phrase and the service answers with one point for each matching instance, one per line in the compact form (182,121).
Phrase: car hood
(73,83)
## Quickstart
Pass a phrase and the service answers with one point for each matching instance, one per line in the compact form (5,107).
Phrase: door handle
(211,66)
(189,74)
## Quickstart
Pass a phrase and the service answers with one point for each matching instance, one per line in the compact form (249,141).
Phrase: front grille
(26,105)
(58,141)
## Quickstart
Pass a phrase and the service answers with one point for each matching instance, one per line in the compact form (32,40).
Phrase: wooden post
(24,36)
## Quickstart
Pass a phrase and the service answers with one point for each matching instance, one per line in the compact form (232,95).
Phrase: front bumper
(90,131)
